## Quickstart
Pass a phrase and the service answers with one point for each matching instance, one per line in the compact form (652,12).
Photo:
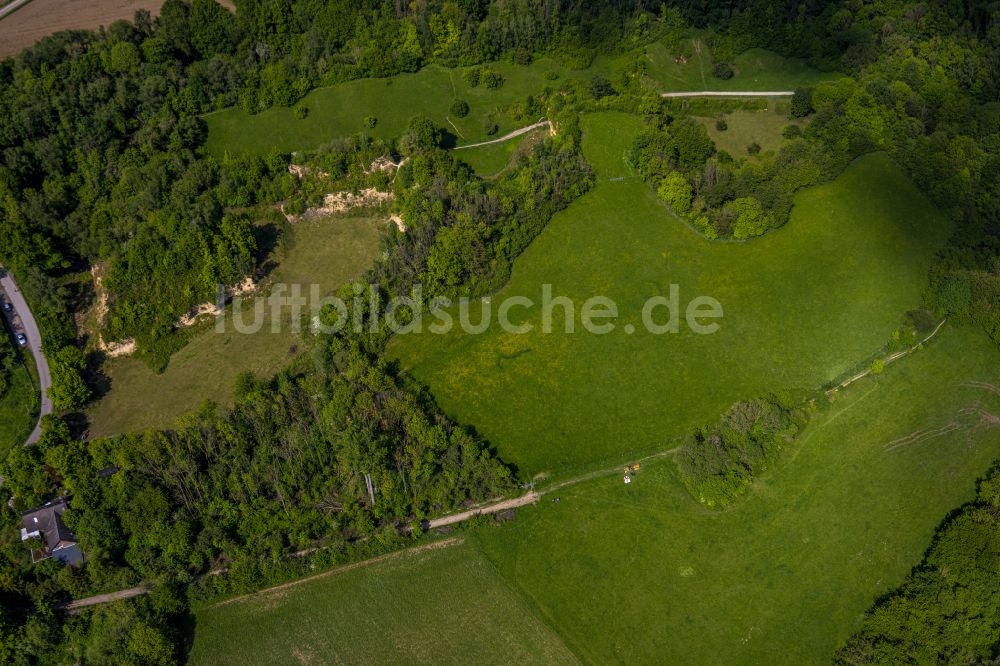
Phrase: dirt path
(723,93)
(507,137)
(887,360)
(406,552)
(530,498)
(76,605)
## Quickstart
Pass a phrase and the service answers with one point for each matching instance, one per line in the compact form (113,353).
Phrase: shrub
(472,76)
(459,108)
(490,127)
(490,78)
(551,75)
(301,112)
(723,70)
(802,102)
(521,56)
(600,87)
(754,148)
(791,132)
(718,463)
(721,125)
(676,191)
(748,217)
(954,294)
(878,366)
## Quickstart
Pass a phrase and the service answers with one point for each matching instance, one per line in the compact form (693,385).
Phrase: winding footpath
(507,137)
(30,330)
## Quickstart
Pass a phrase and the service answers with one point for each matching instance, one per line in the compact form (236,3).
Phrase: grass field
(489,161)
(445,606)
(337,111)
(746,127)
(643,574)
(756,69)
(18,407)
(326,252)
(802,306)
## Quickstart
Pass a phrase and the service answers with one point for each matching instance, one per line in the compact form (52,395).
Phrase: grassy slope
(802,306)
(327,252)
(785,576)
(756,70)
(746,127)
(337,111)
(489,161)
(439,607)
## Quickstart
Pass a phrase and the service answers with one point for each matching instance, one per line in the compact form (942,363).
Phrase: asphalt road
(30,330)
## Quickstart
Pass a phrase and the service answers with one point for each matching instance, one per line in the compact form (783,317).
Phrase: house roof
(46,523)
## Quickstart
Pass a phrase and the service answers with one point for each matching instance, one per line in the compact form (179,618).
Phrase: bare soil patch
(39,18)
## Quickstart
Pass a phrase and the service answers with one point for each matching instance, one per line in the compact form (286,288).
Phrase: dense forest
(103,164)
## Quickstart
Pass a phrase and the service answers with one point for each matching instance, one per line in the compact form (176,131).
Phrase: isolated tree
(723,70)
(421,134)
(600,87)
(459,108)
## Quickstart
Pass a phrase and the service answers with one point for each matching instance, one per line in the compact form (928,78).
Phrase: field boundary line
(406,552)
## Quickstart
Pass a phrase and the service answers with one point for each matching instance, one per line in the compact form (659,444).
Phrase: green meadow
(745,127)
(442,606)
(786,575)
(782,577)
(755,70)
(802,306)
(491,160)
(339,110)
(327,252)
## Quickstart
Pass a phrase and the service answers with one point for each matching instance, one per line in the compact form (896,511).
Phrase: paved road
(507,137)
(30,330)
(723,93)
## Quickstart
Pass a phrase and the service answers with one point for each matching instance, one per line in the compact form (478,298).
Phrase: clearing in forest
(328,252)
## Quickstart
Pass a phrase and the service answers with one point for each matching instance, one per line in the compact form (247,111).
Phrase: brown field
(39,18)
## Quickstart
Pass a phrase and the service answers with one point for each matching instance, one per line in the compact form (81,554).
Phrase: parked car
(21,340)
